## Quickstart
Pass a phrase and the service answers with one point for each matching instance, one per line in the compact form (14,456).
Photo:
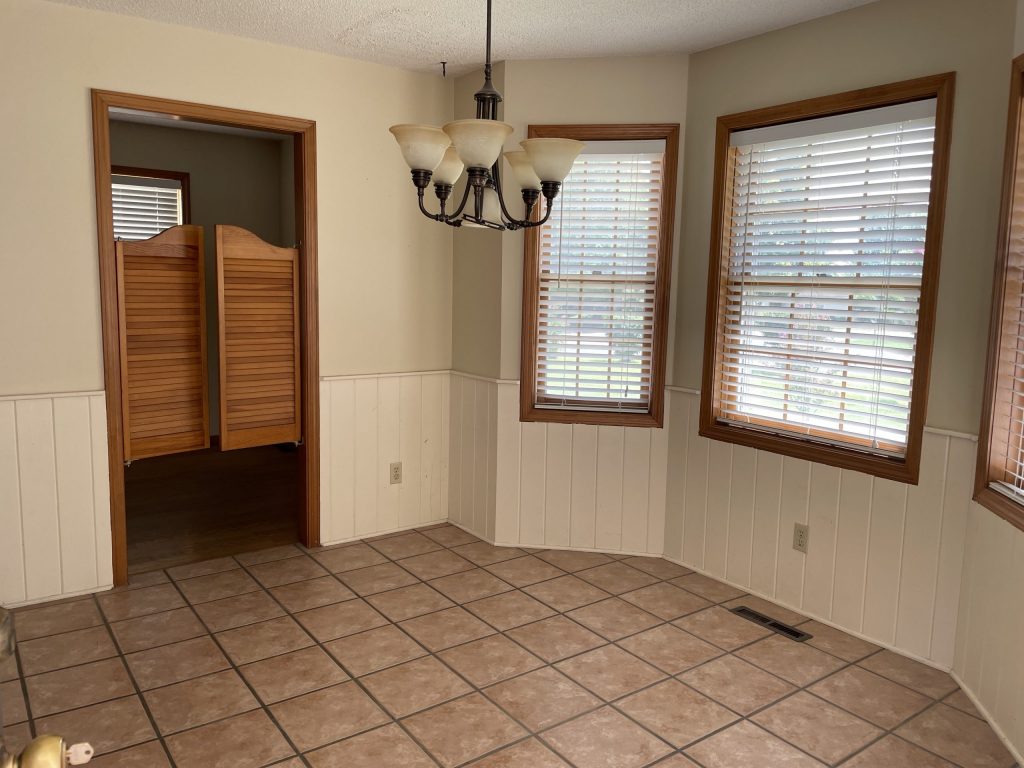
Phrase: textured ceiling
(415,34)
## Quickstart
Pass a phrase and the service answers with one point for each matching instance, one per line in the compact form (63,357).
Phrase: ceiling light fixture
(441,154)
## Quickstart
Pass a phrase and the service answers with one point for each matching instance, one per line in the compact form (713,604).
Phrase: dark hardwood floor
(195,506)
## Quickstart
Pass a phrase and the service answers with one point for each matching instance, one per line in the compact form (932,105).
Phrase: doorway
(207,473)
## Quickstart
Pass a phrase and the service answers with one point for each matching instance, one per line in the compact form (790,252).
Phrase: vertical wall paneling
(657,493)
(458,387)
(37,475)
(819,562)
(389,447)
(583,505)
(741,515)
(958,486)
(12,560)
(719,494)
(852,531)
(533,450)
(73,459)
(367,463)
(695,502)
(410,424)
(885,550)
(636,489)
(790,564)
(481,455)
(610,457)
(506,479)
(767,506)
(101,490)
(557,484)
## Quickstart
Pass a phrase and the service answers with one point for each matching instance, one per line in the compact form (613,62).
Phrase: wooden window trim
(904,469)
(984,494)
(182,177)
(654,416)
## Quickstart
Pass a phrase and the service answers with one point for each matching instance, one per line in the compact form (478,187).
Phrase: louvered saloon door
(258,307)
(163,343)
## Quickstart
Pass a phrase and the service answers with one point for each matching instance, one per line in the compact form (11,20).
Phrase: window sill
(900,470)
(649,420)
(1001,505)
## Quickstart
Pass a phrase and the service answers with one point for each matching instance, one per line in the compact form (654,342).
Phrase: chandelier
(441,154)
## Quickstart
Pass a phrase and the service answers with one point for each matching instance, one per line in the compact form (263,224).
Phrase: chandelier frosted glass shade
(423,146)
(552,159)
(526,177)
(478,142)
(450,169)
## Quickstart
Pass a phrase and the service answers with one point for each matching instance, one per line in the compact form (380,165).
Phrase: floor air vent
(769,623)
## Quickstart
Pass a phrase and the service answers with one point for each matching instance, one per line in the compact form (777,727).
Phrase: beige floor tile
(434,565)
(555,638)
(374,650)
(157,629)
(409,602)
(176,662)
(669,649)
(77,686)
(109,726)
(606,739)
(203,568)
(523,571)
(658,567)
(341,619)
(268,555)
(46,654)
(958,737)
(542,699)
(149,579)
(895,752)
(706,587)
(321,717)
(131,604)
(610,672)
(205,589)
(292,674)
(414,686)
(348,558)
(744,745)
(304,595)
(798,663)
(676,713)
(777,612)
(573,561)
(288,571)
(675,761)
(665,601)
(238,611)
(199,701)
(450,536)
(148,755)
(616,578)
(8,669)
(722,628)
(482,553)
(377,578)
(443,629)
(614,619)
(826,732)
(462,730)
(526,754)
(511,609)
(566,593)
(13,700)
(244,741)
(836,642)
(913,674)
(470,585)
(260,641)
(30,623)
(386,747)
(738,685)
(404,545)
(960,700)
(877,700)
(490,660)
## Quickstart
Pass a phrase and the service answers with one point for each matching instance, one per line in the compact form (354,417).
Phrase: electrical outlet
(396,472)
(801,537)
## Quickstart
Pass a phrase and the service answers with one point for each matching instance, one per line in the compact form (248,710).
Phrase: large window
(999,480)
(147,201)
(825,254)
(596,281)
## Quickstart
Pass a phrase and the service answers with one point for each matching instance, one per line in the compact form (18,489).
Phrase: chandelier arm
(425,212)
(462,205)
(509,219)
(539,222)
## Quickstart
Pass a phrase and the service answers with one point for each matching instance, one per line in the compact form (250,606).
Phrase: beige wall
(238,180)
(385,272)
(878,43)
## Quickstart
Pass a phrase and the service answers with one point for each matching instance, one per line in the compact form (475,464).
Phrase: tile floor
(433,648)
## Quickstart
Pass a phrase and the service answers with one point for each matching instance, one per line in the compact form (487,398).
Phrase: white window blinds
(597,277)
(825,224)
(144,206)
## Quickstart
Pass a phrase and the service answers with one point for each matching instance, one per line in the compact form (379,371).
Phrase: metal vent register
(769,623)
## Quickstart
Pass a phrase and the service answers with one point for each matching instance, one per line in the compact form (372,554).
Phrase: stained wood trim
(1007,508)
(907,469)
(182,177)
(654,417)
(303,133)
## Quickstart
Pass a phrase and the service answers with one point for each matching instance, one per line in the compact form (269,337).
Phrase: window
(146,202)
(596,281)
(999,479)
(824,264)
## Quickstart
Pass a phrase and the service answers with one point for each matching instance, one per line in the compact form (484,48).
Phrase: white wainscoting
(885,559)
(989,660)
(367,422)
(552,485)
(54,497)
